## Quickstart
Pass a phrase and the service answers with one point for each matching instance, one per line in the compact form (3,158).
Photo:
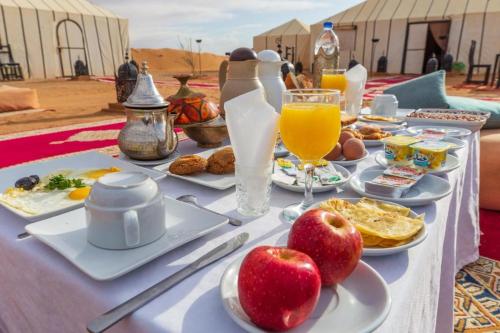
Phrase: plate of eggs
(39,190)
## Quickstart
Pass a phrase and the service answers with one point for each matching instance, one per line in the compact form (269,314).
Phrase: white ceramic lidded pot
(269,70)
(124,210)
(385,105)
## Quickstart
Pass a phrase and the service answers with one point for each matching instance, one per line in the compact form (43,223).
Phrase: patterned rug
(477,297)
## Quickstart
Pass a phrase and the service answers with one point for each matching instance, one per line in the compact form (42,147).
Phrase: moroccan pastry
(221,162)
(188,165)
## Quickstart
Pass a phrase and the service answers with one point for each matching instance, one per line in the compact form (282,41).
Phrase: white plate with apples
(384,251)
(360,303)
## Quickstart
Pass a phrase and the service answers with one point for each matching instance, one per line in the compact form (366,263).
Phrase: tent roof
(67,6)
(372,10)
(292,27)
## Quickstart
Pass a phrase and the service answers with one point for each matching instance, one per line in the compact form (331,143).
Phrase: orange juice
(334,81)
(310,130)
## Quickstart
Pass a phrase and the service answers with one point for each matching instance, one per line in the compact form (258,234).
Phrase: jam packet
(404,172)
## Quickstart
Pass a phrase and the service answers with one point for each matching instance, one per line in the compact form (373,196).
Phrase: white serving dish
(359,304)
(470,125)
(343,162)
(428,189)
(379,251)
(454,132)
(169,158)
(218,182)
(373,143)
(318,189)
(397,120)
(67,234)
(88,160)
(451,164)
(386,127)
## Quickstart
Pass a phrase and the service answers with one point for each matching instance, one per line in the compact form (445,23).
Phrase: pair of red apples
(279,287)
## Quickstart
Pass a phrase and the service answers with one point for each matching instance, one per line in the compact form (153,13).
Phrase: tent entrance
(70,46)
(423,39)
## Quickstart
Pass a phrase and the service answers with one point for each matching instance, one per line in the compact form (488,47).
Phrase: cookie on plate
(221,162)
(188,165)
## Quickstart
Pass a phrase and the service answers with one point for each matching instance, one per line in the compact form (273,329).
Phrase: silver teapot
(149,131)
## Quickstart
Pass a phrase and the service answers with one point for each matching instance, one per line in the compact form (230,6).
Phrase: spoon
(192,199)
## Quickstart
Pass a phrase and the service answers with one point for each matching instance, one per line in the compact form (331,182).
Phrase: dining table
(40,291)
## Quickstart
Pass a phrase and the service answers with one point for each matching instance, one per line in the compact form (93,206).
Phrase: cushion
(489,191)
(15,99)
(472,104)
(427,91)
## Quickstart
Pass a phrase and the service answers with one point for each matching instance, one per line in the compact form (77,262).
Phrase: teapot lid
(145,94)
(269,56)
(243,54)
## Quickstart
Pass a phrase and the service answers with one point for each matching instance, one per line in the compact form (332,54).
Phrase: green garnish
(60,182)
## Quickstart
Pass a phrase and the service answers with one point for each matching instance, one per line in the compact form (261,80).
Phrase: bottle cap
(328,25)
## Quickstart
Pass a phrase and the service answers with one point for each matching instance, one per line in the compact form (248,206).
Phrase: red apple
(330,240)
(278,287)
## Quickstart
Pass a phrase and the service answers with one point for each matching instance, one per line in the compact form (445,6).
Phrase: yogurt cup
(397,149)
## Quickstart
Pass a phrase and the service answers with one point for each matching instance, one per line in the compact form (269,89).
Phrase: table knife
(108,319)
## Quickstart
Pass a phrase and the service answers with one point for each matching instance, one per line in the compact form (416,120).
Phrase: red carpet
(490,233)
(34,147)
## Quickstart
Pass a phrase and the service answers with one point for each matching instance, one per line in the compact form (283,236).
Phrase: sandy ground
(73,102)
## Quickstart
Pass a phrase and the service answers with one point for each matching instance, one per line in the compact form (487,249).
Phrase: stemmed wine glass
(310,129)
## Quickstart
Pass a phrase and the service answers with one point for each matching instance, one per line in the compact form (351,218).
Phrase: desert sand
(73,102)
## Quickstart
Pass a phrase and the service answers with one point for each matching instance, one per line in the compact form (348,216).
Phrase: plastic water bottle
(326,52)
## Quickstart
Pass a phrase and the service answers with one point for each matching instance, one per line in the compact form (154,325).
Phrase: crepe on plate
(380,224)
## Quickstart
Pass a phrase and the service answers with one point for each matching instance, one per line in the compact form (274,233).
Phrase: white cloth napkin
(253,125)
(356,80)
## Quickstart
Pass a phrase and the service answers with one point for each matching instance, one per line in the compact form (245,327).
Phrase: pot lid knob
(145,94)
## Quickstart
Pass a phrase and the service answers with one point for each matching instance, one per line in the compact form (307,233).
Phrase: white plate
(379,251)
(451,164)
(455,132)
(397,120)
(88,160)
(460,144)
(373,143)
(359,304)
(67,235)
(428,189)
(171,157)
(344,162)
(318,189)
(218,182)
(386,127)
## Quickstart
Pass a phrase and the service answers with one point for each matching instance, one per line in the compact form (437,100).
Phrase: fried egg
(40,200)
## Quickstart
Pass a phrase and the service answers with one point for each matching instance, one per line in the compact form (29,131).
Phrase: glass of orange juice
(310,129)
(334,79)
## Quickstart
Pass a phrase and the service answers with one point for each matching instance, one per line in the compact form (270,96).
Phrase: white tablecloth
(42,292)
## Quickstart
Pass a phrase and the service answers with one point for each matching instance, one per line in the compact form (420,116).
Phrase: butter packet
(328,175)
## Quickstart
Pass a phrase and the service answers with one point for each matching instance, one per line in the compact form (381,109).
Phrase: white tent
(409,31)
(47,37)
(293,36)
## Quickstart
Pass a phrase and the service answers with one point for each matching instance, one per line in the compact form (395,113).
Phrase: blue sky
(223,25)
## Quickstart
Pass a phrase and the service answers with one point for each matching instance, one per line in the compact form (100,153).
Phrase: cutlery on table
(193,200)
(108,319)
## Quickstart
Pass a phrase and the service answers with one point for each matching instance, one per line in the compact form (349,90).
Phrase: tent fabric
(47,37)
(292,34)
(397,22)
